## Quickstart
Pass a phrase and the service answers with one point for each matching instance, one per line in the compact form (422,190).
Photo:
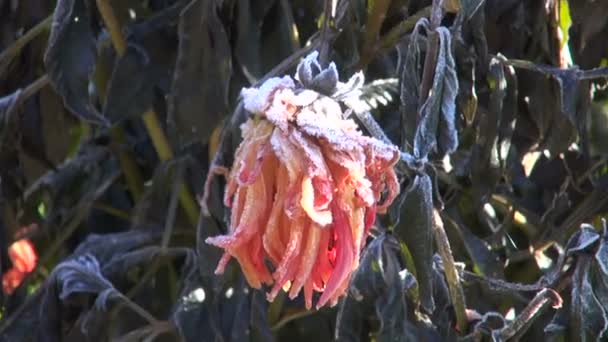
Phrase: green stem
(451,274)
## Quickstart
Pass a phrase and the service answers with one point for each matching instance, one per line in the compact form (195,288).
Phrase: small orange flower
(304,190)
(23,257)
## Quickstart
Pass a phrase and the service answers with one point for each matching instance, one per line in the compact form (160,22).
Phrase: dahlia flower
(305,186)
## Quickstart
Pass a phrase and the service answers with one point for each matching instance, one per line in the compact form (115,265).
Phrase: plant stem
(539,303)
(138,309)
(328,21)
(35,87)
(396,33)
(376,13)
(451,274)
(14,49)
(159,139)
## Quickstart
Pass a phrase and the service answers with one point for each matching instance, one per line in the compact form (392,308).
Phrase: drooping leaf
(569,81)
(248,47)
(131,88)
(199,96)
(585,238)
(378,290)
(70,57)
(437,128)
(104,246)
(587,315)
(8,104)
(416,230)
(410,85)
(82,275)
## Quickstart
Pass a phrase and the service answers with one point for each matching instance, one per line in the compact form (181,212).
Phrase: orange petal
(287,267)
(307,259)
(344,257)
(11,280)
(307,201)
(272,240)
(23,255)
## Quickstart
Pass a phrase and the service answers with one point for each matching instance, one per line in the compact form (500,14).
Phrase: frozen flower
(304,188)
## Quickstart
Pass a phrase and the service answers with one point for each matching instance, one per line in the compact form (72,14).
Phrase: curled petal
(305,187)
(307,201)
(344,256)
(287,267)
(307,259)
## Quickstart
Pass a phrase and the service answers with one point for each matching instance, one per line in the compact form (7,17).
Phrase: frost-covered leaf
(83,275)
(588,316)
(378,290)
(70,57)
(199,96)
(415,228)
(131,88)
(586,237)
(410,85)
(437,127)
(8,104)
(378,93)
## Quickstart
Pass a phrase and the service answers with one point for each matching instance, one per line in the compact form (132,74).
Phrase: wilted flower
(305,186)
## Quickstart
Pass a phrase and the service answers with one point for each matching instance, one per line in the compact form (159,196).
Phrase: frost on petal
(304,188)
(282,108)
(256,100)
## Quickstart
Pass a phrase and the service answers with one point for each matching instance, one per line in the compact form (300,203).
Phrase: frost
(256,100)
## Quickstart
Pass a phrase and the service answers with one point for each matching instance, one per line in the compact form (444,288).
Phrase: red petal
(344,257)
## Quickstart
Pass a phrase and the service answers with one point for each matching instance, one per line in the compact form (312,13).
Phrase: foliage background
(112,111)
